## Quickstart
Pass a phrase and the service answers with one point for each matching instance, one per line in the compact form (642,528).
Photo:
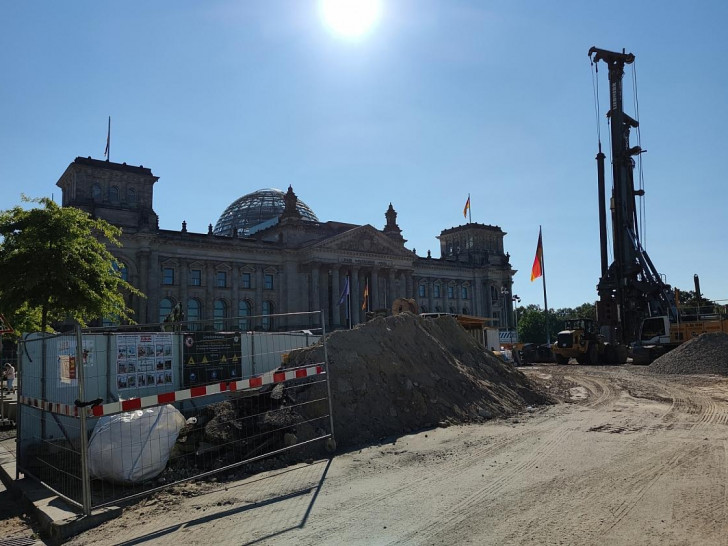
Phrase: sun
(350,18)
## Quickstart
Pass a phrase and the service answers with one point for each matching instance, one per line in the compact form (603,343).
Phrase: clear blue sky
(442,98)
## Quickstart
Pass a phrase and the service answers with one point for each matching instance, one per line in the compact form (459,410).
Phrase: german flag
(537,269)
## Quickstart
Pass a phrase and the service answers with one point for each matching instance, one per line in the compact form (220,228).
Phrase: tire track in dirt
(420,479)
(461,511)
(638,482)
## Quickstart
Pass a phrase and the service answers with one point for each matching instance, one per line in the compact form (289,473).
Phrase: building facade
(269,254)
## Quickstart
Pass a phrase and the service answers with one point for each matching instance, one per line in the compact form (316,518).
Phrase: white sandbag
(134,447)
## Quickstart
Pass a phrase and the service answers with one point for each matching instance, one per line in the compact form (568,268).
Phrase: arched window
(267,321)
(165,308)
(193,313)
(114,194)
(96,192)
(121,268)
(131,196)
(244,311)
(219,314)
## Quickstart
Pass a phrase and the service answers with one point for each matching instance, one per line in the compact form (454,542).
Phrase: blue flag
(345,292)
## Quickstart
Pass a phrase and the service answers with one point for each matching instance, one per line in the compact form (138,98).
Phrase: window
(193,314)
(493,294)
(246,280)
(221,279)
(96,192)
(165,308)
(436,290)
(268,281)
(421,290)
(450,292)
(464,292)
(131,196)
(114,194)
(244,311)
(195,278)
(452,310)
(267,322)
(220,313)
(168,275)
(120,268)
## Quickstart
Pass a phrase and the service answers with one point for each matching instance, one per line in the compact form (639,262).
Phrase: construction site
(408,428)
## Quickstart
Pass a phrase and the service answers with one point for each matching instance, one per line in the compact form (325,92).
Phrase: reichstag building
(269,254)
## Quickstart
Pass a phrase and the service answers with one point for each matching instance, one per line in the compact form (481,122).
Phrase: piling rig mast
(630,288)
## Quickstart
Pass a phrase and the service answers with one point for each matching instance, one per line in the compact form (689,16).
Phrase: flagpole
(543,278)
(107,152)
(470,211)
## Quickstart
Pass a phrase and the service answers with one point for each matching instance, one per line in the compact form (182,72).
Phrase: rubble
(705,354)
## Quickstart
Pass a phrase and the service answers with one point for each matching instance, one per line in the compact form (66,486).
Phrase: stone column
(183,284)
(409,292)
(430,295)
(459,297)
(335,308)
(374,289)
(258,295)
(391,296)
(315,304)
(144,278)
(235,294)
(355,300)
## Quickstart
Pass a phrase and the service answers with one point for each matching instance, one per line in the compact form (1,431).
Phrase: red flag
(467,207)
(537,269)
(366,295)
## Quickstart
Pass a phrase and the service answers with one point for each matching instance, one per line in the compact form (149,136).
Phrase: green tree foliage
(531,321)
(53,264)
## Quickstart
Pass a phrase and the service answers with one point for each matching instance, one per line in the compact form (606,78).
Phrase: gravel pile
(402,373)
(705,354)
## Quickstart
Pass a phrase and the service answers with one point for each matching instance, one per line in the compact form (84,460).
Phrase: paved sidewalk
(57,519)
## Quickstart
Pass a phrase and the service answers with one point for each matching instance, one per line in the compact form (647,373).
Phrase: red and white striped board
(132,404)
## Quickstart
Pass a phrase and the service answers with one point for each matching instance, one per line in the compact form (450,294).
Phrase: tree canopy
(531,321)
(54,265)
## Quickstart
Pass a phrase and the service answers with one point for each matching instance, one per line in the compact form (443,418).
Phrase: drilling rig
(636,308)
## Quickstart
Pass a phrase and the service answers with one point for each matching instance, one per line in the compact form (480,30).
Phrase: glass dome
(256,211)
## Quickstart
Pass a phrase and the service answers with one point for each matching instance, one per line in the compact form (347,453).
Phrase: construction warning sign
(5,327)
(210,357)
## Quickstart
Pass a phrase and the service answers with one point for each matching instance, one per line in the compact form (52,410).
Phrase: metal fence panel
(234,403)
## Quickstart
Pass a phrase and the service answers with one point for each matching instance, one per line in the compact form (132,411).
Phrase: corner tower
(116,192)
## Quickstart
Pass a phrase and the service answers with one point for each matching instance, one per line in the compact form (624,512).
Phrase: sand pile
(402,373)
(705,354)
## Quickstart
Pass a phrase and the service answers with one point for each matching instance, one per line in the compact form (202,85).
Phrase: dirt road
(626,458)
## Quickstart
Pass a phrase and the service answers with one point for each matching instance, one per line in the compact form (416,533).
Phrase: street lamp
(516,300)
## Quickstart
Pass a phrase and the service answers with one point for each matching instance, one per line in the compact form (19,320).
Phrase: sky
(439,100)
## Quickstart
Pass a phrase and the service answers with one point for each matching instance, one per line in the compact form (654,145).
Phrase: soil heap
(705,354)
(394,375)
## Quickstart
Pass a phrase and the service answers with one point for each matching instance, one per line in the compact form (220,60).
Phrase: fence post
(85,480)
(328,377)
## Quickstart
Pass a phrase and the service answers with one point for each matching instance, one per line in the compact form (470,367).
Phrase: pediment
(363,239)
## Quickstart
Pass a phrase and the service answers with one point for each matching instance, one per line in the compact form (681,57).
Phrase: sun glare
(350,18)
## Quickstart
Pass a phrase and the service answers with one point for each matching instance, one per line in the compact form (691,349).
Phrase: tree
(53,261)
(531,327)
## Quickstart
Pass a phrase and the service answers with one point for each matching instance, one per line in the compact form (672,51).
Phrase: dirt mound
(402,373)
(705,354)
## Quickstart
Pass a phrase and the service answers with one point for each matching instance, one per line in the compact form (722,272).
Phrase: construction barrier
(109,415)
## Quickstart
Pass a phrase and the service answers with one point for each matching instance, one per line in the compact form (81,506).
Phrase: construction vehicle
(636,309)
(582,340)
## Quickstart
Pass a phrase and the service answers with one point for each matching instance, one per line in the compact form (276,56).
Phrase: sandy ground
(626,458)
